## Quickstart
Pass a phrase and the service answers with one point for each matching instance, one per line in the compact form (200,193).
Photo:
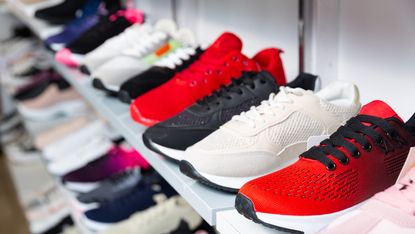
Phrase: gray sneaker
(112,188)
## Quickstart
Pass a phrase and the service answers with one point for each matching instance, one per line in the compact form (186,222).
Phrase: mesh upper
(343,112)
(224,140)
(298,127)
(186,119)
(228,113)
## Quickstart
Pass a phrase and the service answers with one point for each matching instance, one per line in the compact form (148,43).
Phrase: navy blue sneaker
(151,190)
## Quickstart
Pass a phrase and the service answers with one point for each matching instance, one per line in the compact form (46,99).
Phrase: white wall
(260,24)
(370,43)
(377,50)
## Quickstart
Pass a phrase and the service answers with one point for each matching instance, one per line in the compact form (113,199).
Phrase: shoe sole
(153,147)
(94,225)
(233,184)
(98,84)
(124,96)
(81,187)
(188,169)
(66,108)
(287,223)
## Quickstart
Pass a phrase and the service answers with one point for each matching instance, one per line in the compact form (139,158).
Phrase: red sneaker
(222,61)
(361,159)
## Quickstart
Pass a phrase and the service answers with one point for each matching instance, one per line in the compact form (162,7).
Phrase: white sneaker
(133,61)
(45,209)
(165,217)
(269,137)
(23,151)
(114,46)
(61,147)
(87,152)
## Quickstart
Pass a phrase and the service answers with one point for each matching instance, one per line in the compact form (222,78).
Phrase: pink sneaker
(391,211)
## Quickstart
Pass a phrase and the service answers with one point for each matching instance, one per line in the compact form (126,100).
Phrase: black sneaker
(61,13)
(155,76)
(171,137)
(106,28)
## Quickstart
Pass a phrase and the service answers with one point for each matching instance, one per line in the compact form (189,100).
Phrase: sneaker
(162,71)
(114,162)
(132,61)
(62,146)
(45,208)
(71,32)
(91,150)
(270,136)
(53,103)
(215,67)
(208,114)
(360,159)
(135,34)
(39,84)
(77,27)
(390,211)
(106,28)
(151,190)
(111,189)
(22,151)
(61,13)
(43,139)
(170,214)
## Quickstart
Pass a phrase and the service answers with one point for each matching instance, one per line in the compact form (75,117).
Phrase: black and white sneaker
(61,13)
(162,72)
(171,137)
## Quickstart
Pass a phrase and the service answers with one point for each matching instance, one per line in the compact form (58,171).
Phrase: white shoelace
(146,43)
(176,58)
(269,107)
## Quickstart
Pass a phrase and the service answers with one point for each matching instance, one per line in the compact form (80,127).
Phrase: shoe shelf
(25,14)
(204,200)
(216,207)
(231,222)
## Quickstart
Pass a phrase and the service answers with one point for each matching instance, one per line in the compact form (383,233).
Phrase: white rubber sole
(67,108)
(95,226)
(81,187)
(80,159)
(238,182)
(172,153)
(307,224)
(53,219)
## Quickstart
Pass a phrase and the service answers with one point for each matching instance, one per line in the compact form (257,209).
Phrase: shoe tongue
(224,44)
(379,109)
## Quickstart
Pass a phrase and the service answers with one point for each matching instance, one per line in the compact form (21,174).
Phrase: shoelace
(225,90)
(357,129)
(145,44)
(176,57)
(402,195)
(275,103)
(203,65)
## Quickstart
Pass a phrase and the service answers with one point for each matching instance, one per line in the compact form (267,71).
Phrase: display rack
(205,201)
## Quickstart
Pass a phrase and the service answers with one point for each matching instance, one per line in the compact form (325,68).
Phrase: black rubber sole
(188,169)
(84,69)
(245,207)
(147,143)
(124,96)
(97,83)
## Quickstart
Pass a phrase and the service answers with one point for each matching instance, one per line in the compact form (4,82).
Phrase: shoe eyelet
(252,86)
(235,58)
(262,81)
(245,63)
(218,103)
(332,166)
(240,92)
(380,141)
(205,81)
(345,161)
(367,148)
(357,154)
(226,64)
(193,83)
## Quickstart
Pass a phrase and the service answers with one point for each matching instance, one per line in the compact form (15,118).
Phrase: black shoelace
(358,132)
(234,87)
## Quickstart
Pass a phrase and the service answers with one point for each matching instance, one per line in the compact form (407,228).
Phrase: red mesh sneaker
(222,61)
(360,159)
